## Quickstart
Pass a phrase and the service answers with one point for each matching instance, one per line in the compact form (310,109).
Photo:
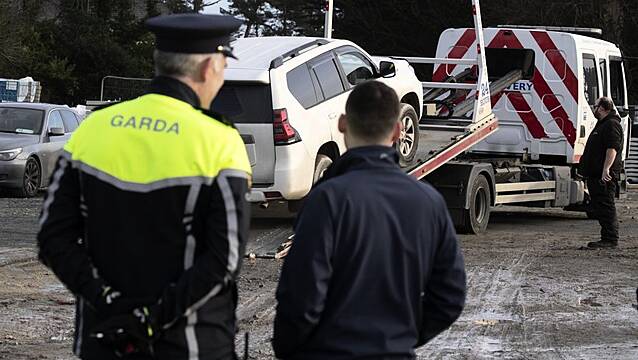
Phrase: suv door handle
(333,116)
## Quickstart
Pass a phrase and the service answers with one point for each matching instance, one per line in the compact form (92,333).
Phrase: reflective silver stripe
(191,202)
(233,241)
(191,337)
(231,220)
(78,341)
(191,310)
(189,257)
(53,187)
(234,173)
(189,252)
(142,188)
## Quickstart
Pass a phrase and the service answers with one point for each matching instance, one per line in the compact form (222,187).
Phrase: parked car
(32,136)
(285,95)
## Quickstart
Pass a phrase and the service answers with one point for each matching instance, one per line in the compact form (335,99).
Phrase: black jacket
(375,269)
(177,242)
(607,134)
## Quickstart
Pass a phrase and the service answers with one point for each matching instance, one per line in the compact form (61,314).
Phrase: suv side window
(55,120)
(591,78)
(70,121)
(357,68)
(328,76)
(301,86)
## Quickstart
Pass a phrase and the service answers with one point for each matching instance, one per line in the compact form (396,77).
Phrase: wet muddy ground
(533,293)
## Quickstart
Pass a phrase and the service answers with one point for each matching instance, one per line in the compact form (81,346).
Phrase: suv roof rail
(569,29)
(279,60)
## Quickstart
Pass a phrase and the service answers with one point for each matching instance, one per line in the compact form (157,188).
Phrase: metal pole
(327,27)
(102,89)
(483,105)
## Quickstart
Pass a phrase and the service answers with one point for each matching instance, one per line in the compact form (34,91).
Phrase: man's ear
(396,132)
(343,124)
(205,68)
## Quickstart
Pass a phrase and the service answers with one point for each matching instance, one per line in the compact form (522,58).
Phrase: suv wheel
(409,139)
(321,165)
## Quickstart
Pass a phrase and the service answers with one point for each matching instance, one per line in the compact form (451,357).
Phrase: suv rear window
(301,87)
(244,103)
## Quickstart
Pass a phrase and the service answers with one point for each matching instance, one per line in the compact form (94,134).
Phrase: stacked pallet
(23,90)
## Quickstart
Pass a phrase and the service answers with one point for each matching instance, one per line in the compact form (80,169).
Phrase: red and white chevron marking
(555,85)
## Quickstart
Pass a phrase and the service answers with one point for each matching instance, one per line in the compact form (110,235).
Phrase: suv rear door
(331,88)
(249,106)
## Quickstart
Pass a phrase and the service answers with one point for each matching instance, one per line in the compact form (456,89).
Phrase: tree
(253,12)
(9,42)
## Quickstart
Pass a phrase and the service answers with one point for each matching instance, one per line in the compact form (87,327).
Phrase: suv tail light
(283,132)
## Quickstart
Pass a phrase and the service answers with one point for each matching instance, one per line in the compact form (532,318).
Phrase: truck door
(602,64)
(618,92)
(591,89)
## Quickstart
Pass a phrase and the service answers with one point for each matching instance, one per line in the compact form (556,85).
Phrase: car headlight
(7,155)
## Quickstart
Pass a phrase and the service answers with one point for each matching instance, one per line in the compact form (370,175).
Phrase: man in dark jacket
(601,165)
(375,270)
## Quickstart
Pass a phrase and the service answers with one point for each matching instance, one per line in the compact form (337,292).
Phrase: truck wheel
(409,140)
(321,165)
(476,218)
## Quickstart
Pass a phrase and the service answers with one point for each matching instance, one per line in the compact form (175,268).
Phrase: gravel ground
(533,292)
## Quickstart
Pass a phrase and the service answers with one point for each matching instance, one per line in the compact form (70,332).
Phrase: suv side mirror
(56,131)
(387,69)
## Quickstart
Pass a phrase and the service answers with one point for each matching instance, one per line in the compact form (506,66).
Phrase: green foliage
(71,52)
(70,47)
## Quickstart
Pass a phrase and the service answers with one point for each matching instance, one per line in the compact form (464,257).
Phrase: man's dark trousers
(602,199)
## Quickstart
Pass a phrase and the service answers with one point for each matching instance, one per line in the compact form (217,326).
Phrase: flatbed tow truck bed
(442,140)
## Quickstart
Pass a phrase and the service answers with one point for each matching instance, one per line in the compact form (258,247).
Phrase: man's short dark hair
(372,110)
(606,103)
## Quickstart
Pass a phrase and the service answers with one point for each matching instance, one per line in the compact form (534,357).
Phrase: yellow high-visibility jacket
(149,198)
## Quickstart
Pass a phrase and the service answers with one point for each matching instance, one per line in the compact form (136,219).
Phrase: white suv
(285,95)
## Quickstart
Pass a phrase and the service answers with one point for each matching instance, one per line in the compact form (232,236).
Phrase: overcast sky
(215,8)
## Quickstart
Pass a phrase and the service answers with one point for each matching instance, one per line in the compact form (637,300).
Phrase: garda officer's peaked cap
(194,33)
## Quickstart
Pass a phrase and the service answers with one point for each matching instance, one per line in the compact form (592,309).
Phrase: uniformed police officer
(145,219)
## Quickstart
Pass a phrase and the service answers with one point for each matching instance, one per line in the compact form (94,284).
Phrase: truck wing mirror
(622,112)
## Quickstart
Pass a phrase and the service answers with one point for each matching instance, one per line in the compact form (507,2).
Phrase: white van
(549,115)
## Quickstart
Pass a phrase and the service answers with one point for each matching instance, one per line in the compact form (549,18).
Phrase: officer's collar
(174,88)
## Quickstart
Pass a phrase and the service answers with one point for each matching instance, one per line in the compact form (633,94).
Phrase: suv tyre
(408,142)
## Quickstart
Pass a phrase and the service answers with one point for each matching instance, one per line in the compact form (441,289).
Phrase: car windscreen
(21,120)
(244,103)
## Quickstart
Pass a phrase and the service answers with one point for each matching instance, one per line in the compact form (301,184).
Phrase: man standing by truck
(376,269)
(601,165)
